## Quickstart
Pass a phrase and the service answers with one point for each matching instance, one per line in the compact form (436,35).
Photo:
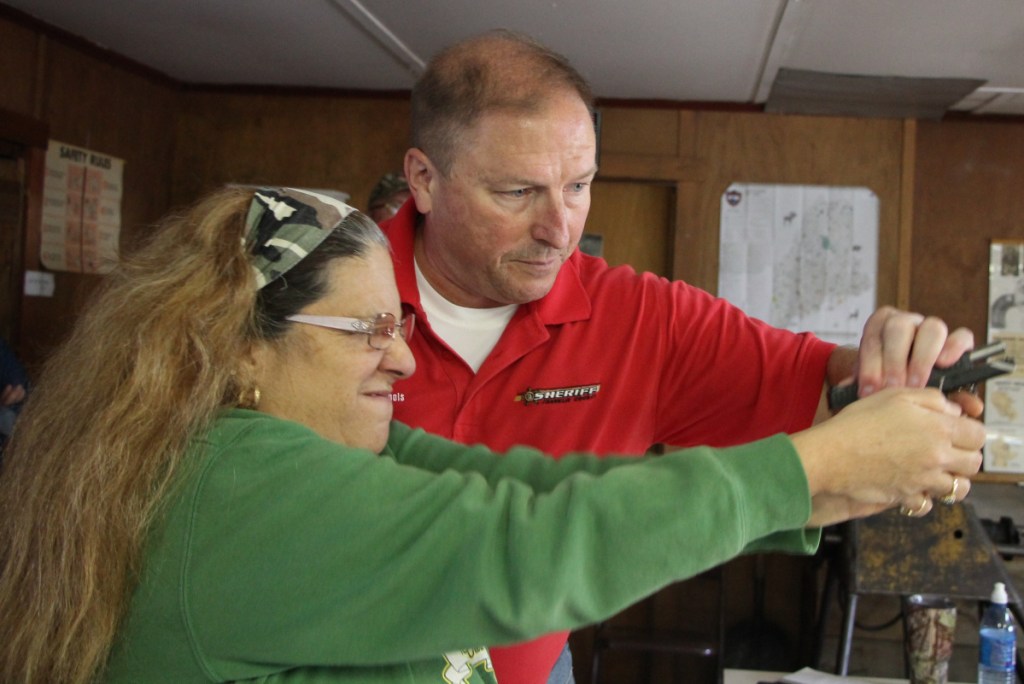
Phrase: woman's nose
(398,358)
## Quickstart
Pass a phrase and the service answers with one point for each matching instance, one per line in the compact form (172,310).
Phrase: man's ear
(420,174)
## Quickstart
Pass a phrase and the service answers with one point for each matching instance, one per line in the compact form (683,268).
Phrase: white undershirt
(471,333)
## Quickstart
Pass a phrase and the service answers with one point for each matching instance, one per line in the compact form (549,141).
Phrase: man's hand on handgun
(899,349)
(961,378)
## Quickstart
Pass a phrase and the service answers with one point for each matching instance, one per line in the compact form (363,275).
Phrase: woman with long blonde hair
(82,480)
(148,366)
(206,484)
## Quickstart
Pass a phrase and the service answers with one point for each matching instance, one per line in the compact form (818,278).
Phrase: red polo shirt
(607,362)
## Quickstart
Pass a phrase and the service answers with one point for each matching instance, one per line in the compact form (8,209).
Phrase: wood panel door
(635,220)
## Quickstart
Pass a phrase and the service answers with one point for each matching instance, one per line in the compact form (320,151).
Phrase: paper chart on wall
(1004,395)
(81,223)
(801,257)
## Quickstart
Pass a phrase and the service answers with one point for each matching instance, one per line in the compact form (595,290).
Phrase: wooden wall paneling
(641,146)
(644,132)
(769,148)
(101,106)
(908,178)
(336,142)
(969,190)
(969,177)
(18,48)
(22,129)
(636,222)
(23,140)
(90,102)
(31,349)
(689,248)
(619,166)
(648,145)
(11,240)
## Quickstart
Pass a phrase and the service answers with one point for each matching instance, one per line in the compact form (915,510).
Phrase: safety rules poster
(1004,395)
(81,209)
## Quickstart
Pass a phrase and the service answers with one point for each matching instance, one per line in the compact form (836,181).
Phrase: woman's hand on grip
(900,446)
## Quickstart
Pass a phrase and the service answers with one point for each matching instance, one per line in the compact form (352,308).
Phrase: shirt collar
(567,301)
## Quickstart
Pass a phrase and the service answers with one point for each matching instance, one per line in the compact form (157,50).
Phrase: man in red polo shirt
(527,341)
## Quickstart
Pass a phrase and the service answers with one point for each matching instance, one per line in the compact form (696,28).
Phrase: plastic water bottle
(997,641)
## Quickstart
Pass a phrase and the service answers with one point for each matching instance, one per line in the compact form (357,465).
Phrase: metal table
(946,552)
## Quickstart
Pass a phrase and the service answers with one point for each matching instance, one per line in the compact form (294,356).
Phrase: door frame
(32,137)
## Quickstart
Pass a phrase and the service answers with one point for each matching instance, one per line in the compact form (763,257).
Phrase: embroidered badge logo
(558,395)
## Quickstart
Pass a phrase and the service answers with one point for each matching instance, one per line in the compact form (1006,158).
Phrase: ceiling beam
(381,34)
(791,20)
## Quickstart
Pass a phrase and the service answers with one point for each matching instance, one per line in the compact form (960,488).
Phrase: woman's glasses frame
(380,331)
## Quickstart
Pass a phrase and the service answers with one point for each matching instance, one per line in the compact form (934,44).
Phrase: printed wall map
(801,257)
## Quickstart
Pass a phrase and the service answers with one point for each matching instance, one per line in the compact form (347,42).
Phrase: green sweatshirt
(284,557)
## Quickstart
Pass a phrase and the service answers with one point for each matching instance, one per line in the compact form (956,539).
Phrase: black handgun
(973,367)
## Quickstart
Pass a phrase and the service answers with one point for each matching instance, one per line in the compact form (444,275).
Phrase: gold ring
(950,498)
(915,513)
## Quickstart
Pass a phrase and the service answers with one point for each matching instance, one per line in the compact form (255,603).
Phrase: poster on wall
(801,257)
(81,209)
(1004,395)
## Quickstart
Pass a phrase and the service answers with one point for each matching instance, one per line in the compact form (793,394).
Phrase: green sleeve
(297,550)
(423,450)
(415,447)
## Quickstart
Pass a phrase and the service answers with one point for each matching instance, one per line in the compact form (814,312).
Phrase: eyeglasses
(380,331)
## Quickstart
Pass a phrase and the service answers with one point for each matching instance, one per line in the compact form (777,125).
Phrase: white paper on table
(811,676)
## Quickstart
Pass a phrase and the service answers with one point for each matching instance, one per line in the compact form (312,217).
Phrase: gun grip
(839,397)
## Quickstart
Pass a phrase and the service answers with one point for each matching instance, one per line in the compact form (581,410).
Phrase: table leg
(846,639)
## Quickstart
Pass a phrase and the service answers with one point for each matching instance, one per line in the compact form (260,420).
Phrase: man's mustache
(540,254)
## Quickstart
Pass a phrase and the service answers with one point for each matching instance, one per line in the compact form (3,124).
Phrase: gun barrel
(987,352)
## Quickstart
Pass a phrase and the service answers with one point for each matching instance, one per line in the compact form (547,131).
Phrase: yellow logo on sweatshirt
(462,664)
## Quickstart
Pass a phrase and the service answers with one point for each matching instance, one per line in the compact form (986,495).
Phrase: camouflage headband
(286,224)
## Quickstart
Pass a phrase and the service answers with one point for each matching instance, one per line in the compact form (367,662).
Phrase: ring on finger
(950,499)
(915,512)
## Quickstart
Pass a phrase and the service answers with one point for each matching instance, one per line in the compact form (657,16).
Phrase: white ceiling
(681,50)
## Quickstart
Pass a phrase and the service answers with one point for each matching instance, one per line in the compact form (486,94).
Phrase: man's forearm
(840,367)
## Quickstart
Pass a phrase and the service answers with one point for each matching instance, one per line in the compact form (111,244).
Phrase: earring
(250,402)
